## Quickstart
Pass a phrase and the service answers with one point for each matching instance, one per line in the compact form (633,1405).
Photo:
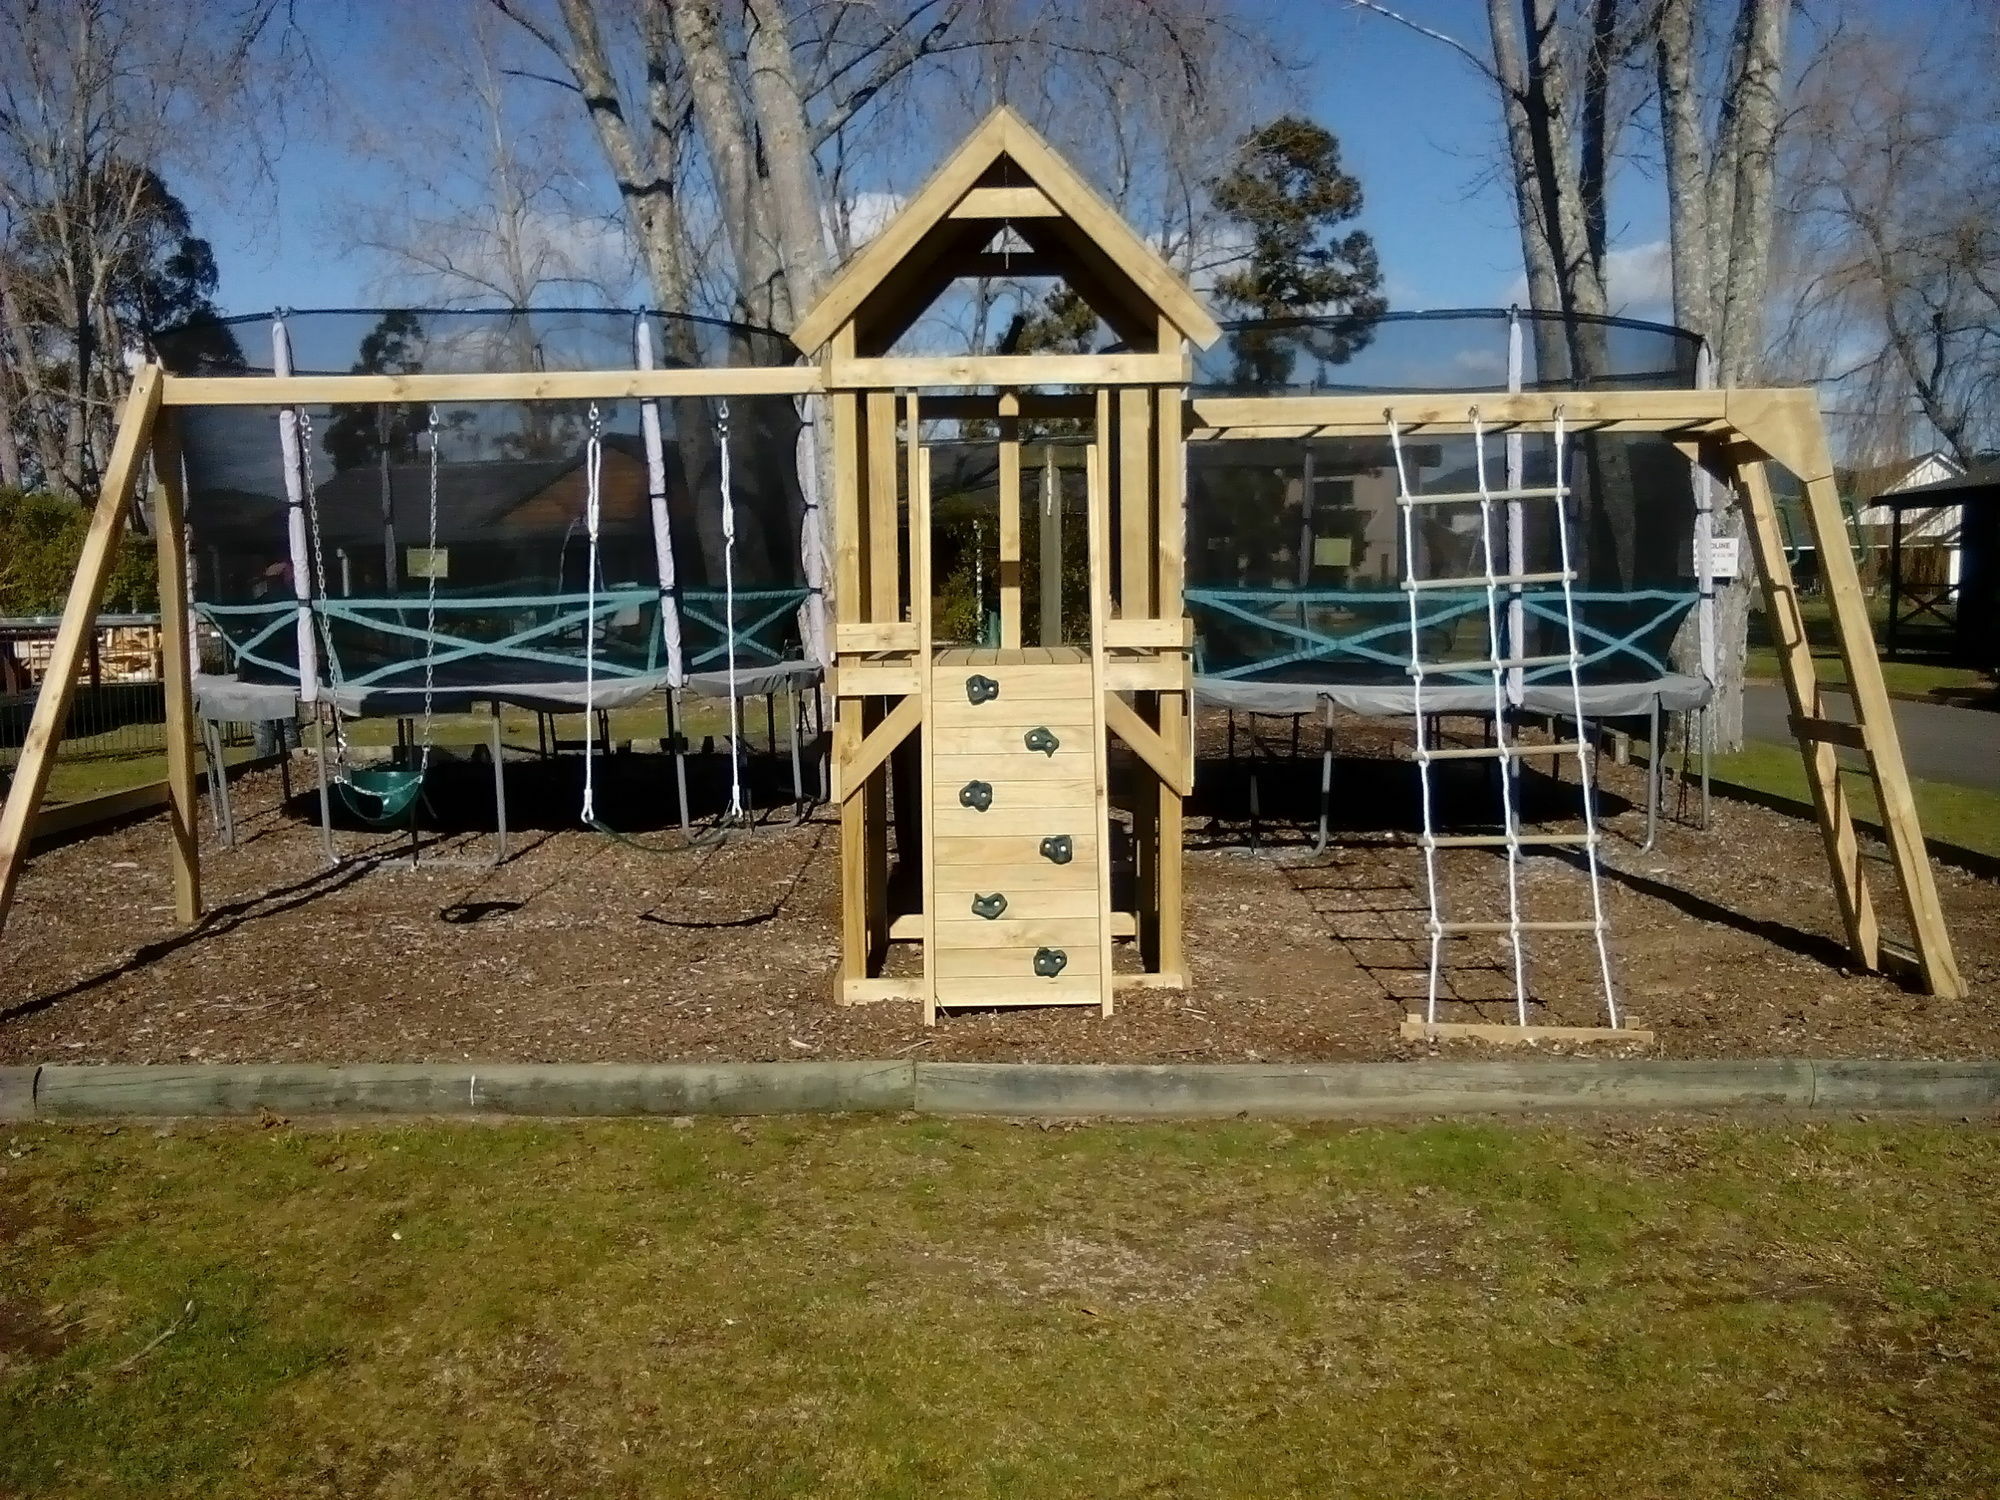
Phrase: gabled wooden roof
(1005,173)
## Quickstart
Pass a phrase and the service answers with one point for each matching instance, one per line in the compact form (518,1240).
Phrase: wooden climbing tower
(991,765)
(1012,810)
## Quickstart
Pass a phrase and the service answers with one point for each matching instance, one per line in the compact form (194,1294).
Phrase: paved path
(1941,743)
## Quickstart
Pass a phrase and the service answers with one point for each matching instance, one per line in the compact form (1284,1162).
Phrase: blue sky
(1416,124)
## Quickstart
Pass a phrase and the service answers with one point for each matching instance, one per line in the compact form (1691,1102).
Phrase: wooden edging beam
(1296,1090)
(79,618)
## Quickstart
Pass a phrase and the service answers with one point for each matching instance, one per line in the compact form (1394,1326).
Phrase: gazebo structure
(980,820)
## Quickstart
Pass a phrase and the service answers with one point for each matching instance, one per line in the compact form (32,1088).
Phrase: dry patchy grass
(920,1308)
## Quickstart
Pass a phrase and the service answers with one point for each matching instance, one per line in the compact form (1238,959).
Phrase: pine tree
(1289,195)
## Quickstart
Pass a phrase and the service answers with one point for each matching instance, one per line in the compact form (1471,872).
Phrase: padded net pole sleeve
(1704,533)
(813,449)
(663,526)
(295,519)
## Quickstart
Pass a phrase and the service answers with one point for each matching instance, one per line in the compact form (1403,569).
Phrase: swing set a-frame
(1002,804)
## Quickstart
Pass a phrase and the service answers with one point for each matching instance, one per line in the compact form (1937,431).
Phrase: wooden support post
(1175,709)
(1786,622)
(176,669)
(885,573)
(1135,504)
(1010,520)
(849,577)
(79,623)
(1098,534)
(1051,547)
(847,737)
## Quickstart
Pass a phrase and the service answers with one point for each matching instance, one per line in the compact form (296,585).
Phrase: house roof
(1102,257)
(1980,483)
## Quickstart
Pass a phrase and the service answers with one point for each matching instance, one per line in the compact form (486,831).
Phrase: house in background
(1949,599)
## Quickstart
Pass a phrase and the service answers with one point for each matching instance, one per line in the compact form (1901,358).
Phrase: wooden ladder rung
(1831,732)
(1585,926)
(1473,497)
(1500,752)
(1479,581)
(1499,840)
(1491,664)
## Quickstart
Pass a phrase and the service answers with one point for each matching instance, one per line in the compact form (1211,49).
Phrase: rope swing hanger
(379,796)
(593,504)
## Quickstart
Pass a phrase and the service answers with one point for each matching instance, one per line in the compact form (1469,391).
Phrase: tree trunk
(786,139)
(733,163)
(645,177)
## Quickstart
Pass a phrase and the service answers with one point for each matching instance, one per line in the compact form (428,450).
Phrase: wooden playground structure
(975,802)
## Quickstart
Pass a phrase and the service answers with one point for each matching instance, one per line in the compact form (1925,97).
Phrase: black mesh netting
(1295,548)
(1444,351)
(1295,551)
(493,507)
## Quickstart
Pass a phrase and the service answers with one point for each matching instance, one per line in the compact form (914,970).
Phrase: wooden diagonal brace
(1123,720)
(79,620)
(851,775)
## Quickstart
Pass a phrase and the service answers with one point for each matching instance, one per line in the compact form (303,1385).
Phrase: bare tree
(99,100)
(495,203)
(1890,206)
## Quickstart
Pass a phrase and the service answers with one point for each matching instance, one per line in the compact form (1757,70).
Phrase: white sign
(1722,557)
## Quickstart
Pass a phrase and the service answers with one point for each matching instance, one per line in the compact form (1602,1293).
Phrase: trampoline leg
(1255,808)
(1705,806)
(1652,776)
(325,798)
(798,775)
(288,741)
(1325,780)
(679,741)
(499,791)
(218,784)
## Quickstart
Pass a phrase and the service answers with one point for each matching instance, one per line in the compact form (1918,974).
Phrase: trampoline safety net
(509,550)
(1295,548)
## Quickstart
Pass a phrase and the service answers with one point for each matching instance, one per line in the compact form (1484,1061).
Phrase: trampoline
(1295,549)
(402,561)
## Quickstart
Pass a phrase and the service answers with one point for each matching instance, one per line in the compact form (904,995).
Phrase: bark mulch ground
(583,949)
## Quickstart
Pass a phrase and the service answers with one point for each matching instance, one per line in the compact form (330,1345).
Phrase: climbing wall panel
(1016,874)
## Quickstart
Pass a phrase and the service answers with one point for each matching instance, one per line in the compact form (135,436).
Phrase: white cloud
(1639,280)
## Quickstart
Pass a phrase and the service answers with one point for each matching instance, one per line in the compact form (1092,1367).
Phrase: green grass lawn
(1962,815)
(917,1308)
(1916,679)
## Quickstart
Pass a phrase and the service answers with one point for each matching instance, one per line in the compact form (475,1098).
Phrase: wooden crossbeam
(1144,741)
(79,621)
(1005,203)
(890,373)
(540,385)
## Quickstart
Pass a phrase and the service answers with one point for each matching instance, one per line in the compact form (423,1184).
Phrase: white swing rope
(735,814)
(593,477)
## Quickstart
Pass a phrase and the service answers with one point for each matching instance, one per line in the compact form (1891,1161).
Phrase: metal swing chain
(318,552)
